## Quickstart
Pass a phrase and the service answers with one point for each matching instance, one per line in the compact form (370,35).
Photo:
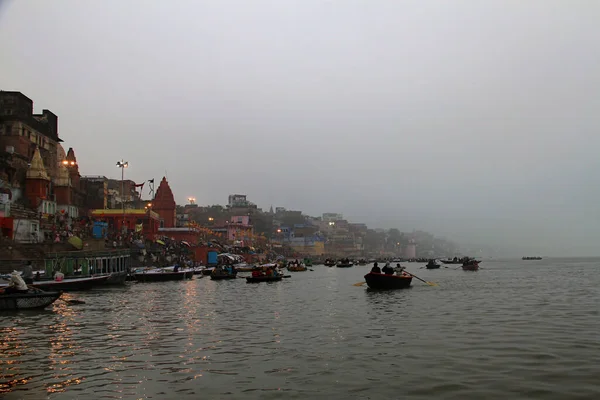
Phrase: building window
(162,223)
(8,129)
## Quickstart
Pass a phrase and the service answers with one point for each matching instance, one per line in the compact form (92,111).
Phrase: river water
(513,330)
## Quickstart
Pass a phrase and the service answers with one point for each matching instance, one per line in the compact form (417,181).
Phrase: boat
(162,275)
(69,284)
(329,263)
(344,264)
(470,265)
(308,262)
(362,261)
(432,264)
(257,279)
(386,282)
(297,268)
(455,260)
(28,301)
(531,258)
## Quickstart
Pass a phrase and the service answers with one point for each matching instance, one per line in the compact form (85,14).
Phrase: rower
(16,284)
(375,269)
(387,269)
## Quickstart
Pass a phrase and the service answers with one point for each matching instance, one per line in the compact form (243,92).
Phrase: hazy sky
(476,120)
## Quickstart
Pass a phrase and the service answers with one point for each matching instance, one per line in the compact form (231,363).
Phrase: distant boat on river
(531,258)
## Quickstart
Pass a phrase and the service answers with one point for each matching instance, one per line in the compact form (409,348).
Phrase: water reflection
(492,334)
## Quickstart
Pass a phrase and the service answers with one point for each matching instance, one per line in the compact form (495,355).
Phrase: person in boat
(176,268)
(399,269)
(233,271)
(256,273)
(375,269)
(16,284)
(387,269)
(28,273)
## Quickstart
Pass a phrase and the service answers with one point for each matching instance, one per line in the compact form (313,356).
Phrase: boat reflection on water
(63,346)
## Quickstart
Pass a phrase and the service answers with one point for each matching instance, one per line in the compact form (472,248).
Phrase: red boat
(470,266)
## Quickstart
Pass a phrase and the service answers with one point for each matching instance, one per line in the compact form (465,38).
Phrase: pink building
(410,251)
(240,230)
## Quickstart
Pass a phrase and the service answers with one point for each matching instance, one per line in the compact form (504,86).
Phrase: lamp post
(122,164)
(192,200)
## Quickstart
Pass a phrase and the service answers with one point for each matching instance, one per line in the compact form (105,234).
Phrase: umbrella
(183,242)
(160,242)
(76,242)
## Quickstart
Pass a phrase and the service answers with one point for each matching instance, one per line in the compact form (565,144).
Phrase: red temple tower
(164,204)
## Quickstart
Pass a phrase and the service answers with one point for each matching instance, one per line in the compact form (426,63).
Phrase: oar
(422,280)
(359,283)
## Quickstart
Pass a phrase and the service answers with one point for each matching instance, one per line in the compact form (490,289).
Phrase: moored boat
(70,283)
(386,282)
(161,275)
(256,279)
(329,263)
(28,301)
(531,258)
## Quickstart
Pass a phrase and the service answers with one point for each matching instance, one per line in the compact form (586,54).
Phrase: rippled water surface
(513,330)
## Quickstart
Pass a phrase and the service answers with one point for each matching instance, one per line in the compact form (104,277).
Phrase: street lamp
(192,200)
(123,164)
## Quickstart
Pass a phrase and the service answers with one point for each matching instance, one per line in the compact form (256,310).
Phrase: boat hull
(472,267)
(387,282)
(163,276)
(432,266)
(344,265)
(257,279)
(73,284)
(27,301)
(297,269)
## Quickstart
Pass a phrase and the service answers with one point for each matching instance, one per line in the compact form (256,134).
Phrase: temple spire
(36,169)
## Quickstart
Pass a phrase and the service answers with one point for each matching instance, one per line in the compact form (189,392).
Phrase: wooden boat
(452,261)
(298,268)
(160,275)
(70,284)
(256,279)
(329,263)
(531,258)
(432,265)
(220,277)
(344,264)
(387,282)
(28,301)
(471,266)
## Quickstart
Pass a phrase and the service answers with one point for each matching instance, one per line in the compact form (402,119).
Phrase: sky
(474,120)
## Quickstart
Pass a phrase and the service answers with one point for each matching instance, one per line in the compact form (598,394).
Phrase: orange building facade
(132,219)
